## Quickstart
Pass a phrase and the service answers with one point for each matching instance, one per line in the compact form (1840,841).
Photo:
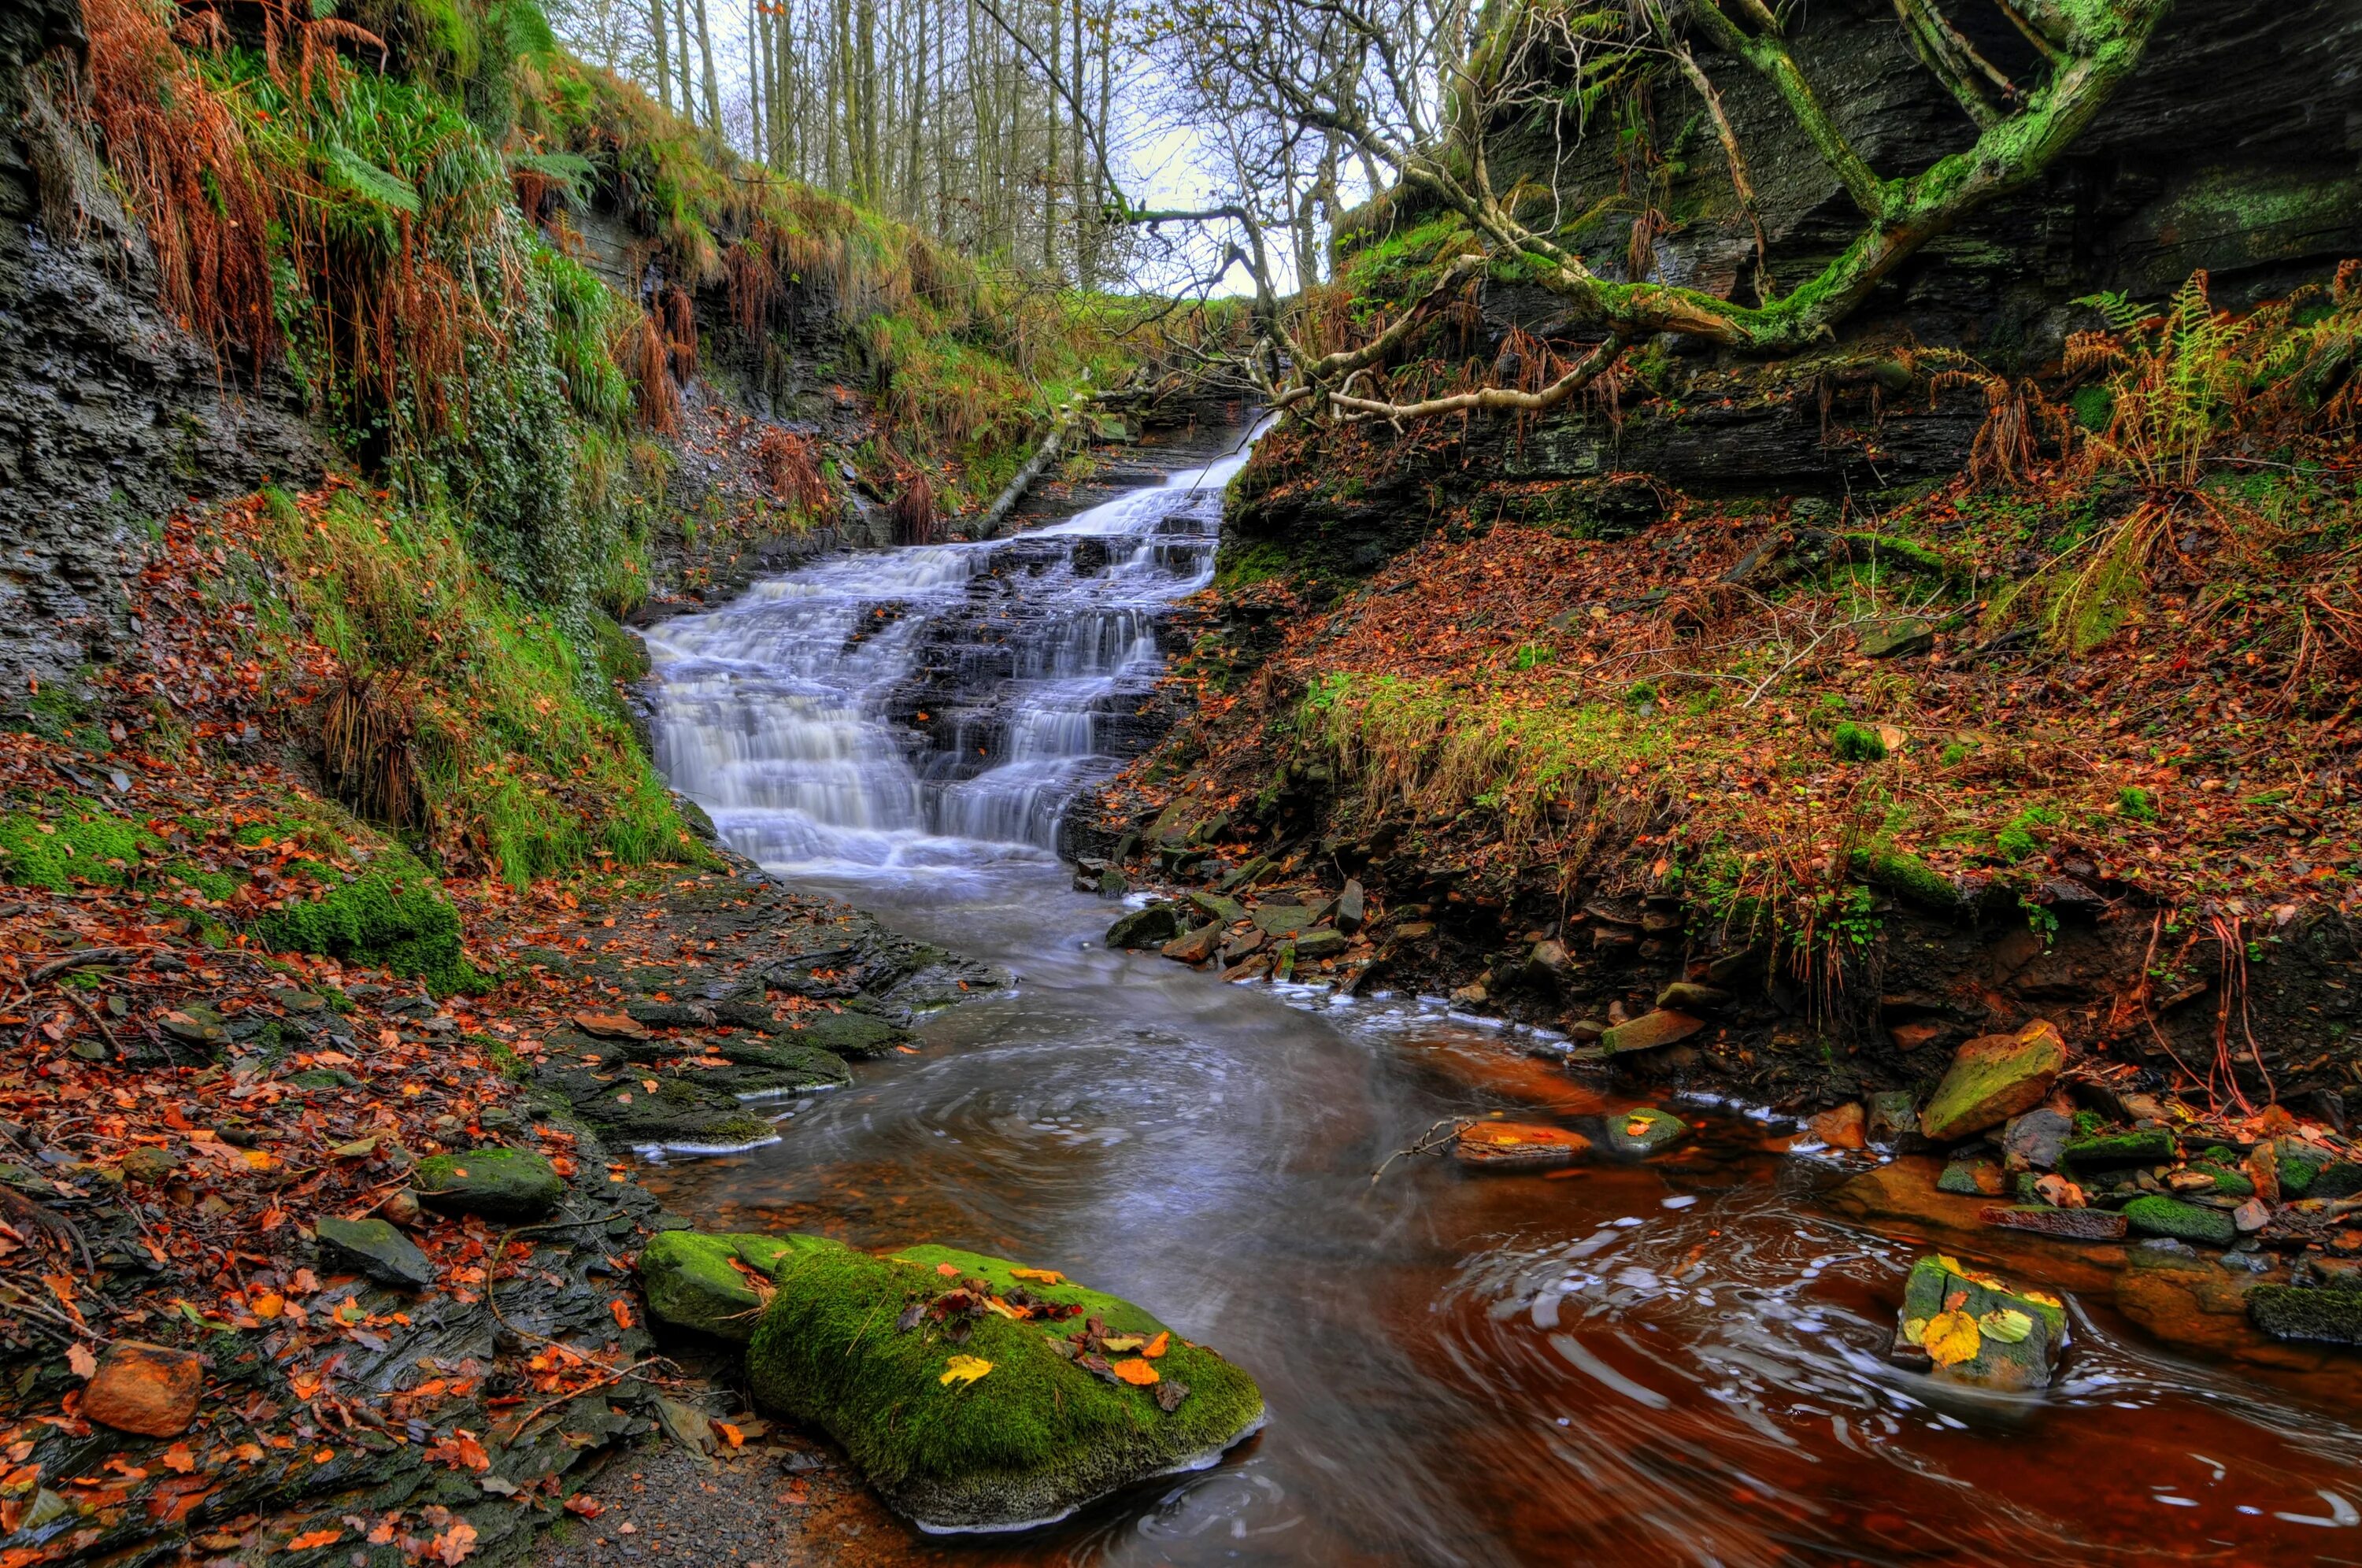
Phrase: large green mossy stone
(1151,927)
(2323,1316)
(1032,1440)
(2149,1146)
(1994,1077)
(853,1034)
(1638,1133)
(499,1183)
(691,1282)
(2155,1216)
(1937,1284)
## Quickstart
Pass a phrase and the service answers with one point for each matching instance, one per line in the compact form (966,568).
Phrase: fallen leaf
(1137,1372)
(1952,1337)
(1123,1342)
(312,1538)
(2007,1324)
(454,1545)
(270,1304)
(963,1369)
(1157,1346)
(179,1460)
(1169,1394)
(584,1506)
(79,1357)
(949,1271)
(1039,1276)
(622,1312)
(730,1434)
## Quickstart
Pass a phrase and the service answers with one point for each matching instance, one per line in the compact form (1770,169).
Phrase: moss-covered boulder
(694,1281)
(499,1183)
(1994,1077)
(1965,1326)
(2182,1221)
(885,1353)
(1643,1131)
(2328,1316)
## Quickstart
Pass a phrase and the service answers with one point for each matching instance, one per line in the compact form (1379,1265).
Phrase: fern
(2125,315)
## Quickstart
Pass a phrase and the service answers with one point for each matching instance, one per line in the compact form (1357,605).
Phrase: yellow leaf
(1952,1337)
(2007,1324)
(1138,1374)
(1039,1276)
(2044,1297)
(258,1158)
(963,1369)
(1157,1346)
(1916,1330)
(1124,1342)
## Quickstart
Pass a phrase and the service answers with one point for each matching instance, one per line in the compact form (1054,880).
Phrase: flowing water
(1677,1362)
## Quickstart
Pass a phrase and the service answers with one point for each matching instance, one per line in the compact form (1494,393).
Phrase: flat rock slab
(2067,1224)
(2149,1146)
(1517,1145)
(1151,927)
(499,1183)
(377,1250)
(1666,1026)
(2318,1314)
(1324,942)
(1993,1078)
(1285,920)
(1197,946)
(2181,1221)
(147,1389)
(1636,1134)
(972,1417)
(1965,1326)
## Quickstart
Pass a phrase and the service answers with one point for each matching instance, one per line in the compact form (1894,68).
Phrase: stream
(1675,1361)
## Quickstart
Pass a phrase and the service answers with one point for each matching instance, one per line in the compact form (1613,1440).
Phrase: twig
(1428,1142)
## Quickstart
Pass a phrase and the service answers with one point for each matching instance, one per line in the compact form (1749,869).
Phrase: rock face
(1966,1327)
(692,1283)
(144,1388)
(1994,1077)
(967,1420)
(499,1183)
(377,1250)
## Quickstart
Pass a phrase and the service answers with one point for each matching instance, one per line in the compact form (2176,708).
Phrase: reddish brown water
(1671,1363)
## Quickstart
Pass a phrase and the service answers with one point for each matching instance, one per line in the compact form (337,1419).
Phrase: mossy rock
(2320,1316)
(1993,1078)
(394,915)
(2155,1216)
(691,1282)
(1965,1326)
(857,1036)
(1032,1441)
(2228,1182)
(499,1183)
(1636,1134)
(688,1109)
(2149,1146)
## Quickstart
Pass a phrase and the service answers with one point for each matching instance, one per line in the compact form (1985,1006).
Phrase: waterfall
(933,708)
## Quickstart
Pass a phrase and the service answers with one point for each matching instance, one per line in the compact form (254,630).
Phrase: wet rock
(377,1250)
(499,1183)
(1686,995)
(1892,1113)
(2036,1139)
(2342,1179)
(1242,942)
(2251,1217)
(1517,1145)
(1283,920)
(850,1033)
(1666,1026)
(2296,1164)
(1473,994)
(1974,1328)
(1113,884)
(149,1164)
(147,1389)
(1321,941)
(2315,1314)
(2067,1224)
(2155,1216)
(1214,906)
(1262,964)
(1550,958)
(1352,908)
(1973,1178)
(1197,946)
(2152,1145)
(1841,1126)
(1645,1130)
(692,1281)
(1898,639)
(1917,1032)
(1993,1078)
(1150,927)
(1040,1433)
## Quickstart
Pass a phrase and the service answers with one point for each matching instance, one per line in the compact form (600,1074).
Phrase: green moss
(392,915)
(2328,1316)
(2154,1216)
(2149,1146)
(692,1282)
(1900,871)
(2017,839)
(2228,1181)
(67,841)
(2133,803)
(1033,1439)
(1857,742)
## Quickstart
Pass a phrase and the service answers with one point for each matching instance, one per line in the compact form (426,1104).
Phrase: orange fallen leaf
(730,1434)
(179,1460)
(622,1312)
(267,1305)
(312,1538)
(1157,1346)
(84,1364)
(584,1506)
(1039,1276)
(1137,1372)
(454,1545)
(949,1271)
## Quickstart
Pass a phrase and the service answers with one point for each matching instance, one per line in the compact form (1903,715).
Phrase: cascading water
(929,709)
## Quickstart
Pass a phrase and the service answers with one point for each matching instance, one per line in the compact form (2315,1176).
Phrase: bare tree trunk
(705,52)
(664,62)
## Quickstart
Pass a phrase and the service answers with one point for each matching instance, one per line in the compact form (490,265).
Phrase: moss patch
(1033,1439)
(393,915)
(692,1281)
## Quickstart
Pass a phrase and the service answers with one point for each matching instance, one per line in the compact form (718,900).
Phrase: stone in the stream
(2317,1314)
(2066,1224)
(2036,1139)
(1993,1078)
(999,1427)
(377,1250)
(1663,1027)
(1283,920)
(1643,1131)
(1841,1126)
(1891,1113)
(1197,946)
(1517,1145)
(1214,906)
(2296,1163)
(499,1183)
(1965,1326)
(1240,943)
(1973,1178)
(692,1282)
(1113,884)
(2154,1216)
(1688,996)
(851,1034)
(1151,927)
(1321,941)
(2151,1145)
(1352,908)
(149,1389)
